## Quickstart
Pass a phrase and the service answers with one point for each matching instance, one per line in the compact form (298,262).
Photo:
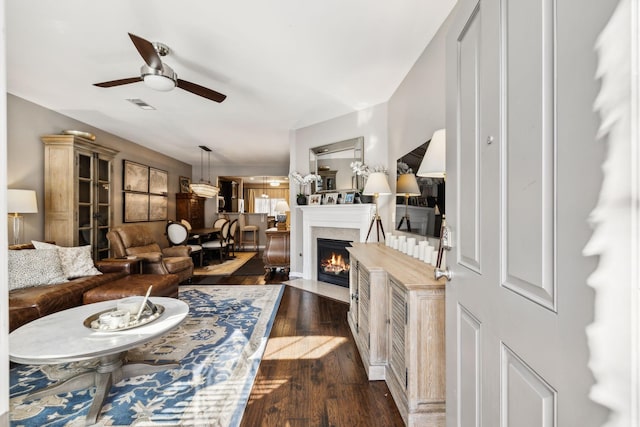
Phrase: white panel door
(516,353)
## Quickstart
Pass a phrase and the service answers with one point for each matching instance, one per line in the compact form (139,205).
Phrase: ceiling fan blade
(201,91)
(119,82)
(147,51)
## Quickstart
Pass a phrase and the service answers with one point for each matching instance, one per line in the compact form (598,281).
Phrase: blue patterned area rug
(219,346)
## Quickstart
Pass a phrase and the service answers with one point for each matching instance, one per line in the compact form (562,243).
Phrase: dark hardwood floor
(311,373)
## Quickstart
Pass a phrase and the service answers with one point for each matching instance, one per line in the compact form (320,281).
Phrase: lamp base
(16,229)
(379,228)
(406,217)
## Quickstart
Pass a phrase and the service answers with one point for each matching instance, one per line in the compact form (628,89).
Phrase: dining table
(204,231)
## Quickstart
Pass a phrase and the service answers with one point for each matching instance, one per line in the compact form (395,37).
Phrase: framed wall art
(136,207)
(136,177)
(185,182)
(157,208)
(158,181)
(145,193)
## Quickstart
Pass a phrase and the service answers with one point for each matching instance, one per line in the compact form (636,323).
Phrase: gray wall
(27,121)
(417,108)
(370,123)
(408,119)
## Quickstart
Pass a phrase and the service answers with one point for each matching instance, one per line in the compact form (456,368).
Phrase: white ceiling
(283,64)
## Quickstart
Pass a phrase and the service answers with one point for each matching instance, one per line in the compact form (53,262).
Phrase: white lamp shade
(282,206)
(407,185)
(434,162)
(21,201)
(376,184)
(204,189)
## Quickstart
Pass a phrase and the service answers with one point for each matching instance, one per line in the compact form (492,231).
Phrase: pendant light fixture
(264,188)
(202,188)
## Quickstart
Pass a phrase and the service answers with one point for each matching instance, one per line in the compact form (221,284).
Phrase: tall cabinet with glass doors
(77,192)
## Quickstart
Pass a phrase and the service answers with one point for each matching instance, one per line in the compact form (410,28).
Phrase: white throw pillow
(29,267)
(76,261)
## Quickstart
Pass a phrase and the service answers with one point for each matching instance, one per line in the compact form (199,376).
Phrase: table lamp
(282,207)
(20,202)
(407,185)
(376,184)
(434,162)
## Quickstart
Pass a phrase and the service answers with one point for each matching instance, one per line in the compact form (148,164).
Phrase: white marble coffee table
(61,337)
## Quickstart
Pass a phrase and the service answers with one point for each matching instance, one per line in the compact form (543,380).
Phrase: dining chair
(178,235)
(194,239)
(217,223)
(220,242)
(231,242)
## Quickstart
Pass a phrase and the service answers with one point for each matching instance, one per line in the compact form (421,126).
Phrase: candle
(428,251)
(434,258)
(411,243)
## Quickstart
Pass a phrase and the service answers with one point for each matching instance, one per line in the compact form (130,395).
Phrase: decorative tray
(93,322)
(86,135)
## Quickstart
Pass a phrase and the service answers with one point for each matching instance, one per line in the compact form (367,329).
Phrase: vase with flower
(303,182)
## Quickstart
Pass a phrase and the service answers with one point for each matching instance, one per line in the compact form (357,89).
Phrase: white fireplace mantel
(356,216)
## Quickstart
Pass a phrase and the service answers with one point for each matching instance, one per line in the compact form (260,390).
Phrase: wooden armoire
(190,207)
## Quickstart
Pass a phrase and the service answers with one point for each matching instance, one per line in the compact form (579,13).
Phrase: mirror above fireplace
(420,214)
(332,163)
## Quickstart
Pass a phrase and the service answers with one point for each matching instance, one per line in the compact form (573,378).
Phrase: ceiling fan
(160,76)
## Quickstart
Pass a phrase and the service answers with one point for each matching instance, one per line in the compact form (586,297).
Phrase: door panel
(527,399)
(528,85)
(469,331)
(468,93)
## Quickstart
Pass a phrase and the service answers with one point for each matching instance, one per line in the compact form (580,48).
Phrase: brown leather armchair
(137,240)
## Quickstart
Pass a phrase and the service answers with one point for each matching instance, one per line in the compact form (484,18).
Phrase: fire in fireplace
(333,261)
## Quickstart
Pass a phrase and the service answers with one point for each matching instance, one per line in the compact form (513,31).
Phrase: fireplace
(344,221)
(333,261)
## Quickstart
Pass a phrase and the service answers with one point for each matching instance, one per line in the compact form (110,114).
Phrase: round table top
(62,337)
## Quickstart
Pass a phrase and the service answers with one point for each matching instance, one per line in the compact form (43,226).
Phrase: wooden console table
(276,251)
(397,318)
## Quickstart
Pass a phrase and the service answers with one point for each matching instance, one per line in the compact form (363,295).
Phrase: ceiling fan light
(159,82)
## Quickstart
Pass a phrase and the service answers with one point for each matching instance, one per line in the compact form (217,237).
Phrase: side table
(61,337)
(276,251)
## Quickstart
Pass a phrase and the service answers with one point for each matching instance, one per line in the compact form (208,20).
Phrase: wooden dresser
(190,207)
(397,317)
(276,250)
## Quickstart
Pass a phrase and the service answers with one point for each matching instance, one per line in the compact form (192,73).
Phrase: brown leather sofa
(137,240)
(27,304)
